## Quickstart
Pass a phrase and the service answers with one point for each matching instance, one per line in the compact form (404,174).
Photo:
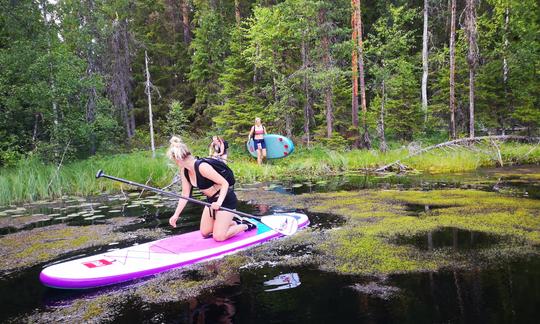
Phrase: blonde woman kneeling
(200,174)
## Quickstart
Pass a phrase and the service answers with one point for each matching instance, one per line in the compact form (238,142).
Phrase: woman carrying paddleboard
(202,174)
(257,132)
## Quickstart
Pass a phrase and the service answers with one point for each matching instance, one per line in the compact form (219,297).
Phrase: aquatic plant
(34,180)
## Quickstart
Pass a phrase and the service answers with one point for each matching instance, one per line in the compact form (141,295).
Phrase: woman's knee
(205,234)
(220,236)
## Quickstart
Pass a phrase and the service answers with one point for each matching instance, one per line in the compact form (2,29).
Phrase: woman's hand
(173,220)
(215,205)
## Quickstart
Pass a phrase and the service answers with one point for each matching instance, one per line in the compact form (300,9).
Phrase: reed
(33,180)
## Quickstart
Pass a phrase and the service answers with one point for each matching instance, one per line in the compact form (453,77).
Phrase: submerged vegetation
(33,180)
(368,243)
(380,233)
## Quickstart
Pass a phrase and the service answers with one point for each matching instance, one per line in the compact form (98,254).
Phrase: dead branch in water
(452,144)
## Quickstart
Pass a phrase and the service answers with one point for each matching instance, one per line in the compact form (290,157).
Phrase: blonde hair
(178,150)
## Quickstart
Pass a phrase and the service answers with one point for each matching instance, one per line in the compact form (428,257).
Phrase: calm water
(507,293)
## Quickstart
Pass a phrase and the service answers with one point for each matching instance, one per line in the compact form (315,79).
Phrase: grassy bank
(33,180)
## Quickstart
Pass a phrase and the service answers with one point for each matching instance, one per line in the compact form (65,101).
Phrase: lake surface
(498,293)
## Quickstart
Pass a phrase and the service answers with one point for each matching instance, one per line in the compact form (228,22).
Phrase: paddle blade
(283,224)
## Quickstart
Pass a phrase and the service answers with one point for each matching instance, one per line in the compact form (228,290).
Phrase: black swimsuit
(204,183)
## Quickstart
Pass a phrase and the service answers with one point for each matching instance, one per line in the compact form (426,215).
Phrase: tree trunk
(237,15)
(328,93)
(51,80)
(185,22)
(288,125)
(505,68)
(92,69)
(354,59)
(37,117)
(380,127)
(308,110)
(453,70)
(120,84)
(472,57)
(148,91)
(425,37)
(365,142)
(255,71)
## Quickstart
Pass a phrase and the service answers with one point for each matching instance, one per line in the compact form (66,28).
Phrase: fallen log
(461,141)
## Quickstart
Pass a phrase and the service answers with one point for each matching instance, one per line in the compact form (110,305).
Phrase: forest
(80,78)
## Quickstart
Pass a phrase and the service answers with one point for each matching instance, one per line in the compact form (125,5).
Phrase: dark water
(508,181)
(507,293)
(501,294)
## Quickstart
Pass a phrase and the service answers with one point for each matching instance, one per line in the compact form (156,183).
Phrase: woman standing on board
(258,131)
(218,148)
(202,175)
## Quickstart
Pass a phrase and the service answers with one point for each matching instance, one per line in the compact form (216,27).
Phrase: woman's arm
(186,189)
(221,148)
(250,132)
(208,172)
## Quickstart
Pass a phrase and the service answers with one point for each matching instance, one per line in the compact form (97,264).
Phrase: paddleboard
(151,258)
(277,146)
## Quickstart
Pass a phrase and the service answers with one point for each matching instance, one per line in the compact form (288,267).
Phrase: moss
(364,245)
(368,254)
(176,285)
(28,248)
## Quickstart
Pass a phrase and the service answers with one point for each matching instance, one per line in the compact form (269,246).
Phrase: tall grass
(33,180)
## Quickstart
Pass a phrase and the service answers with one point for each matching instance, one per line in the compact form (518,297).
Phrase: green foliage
(209,49)
(157,28)
(387,50)
(234,117)
(176,119)
(47,90)
(335,142)
(60,64)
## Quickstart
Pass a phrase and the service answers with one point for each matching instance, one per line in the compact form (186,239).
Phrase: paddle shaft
(100,174)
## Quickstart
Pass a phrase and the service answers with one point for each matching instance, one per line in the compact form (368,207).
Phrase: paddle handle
(101,174)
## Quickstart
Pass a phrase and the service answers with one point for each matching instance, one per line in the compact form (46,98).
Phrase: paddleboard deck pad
(277,146)
(151,258)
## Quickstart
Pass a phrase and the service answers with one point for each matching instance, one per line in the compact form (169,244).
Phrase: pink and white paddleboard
(154,257)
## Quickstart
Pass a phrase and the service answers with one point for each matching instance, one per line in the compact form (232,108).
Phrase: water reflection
(450,237)
(283,281)
(508,181)
(501,294)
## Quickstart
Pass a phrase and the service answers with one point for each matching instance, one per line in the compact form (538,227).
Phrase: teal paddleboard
(277,146)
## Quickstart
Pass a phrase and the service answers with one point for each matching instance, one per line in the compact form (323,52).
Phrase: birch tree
(148,90)
(425,53)
(472,57)
(453,69)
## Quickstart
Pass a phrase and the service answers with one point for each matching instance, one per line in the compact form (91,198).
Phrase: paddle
(287,227)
